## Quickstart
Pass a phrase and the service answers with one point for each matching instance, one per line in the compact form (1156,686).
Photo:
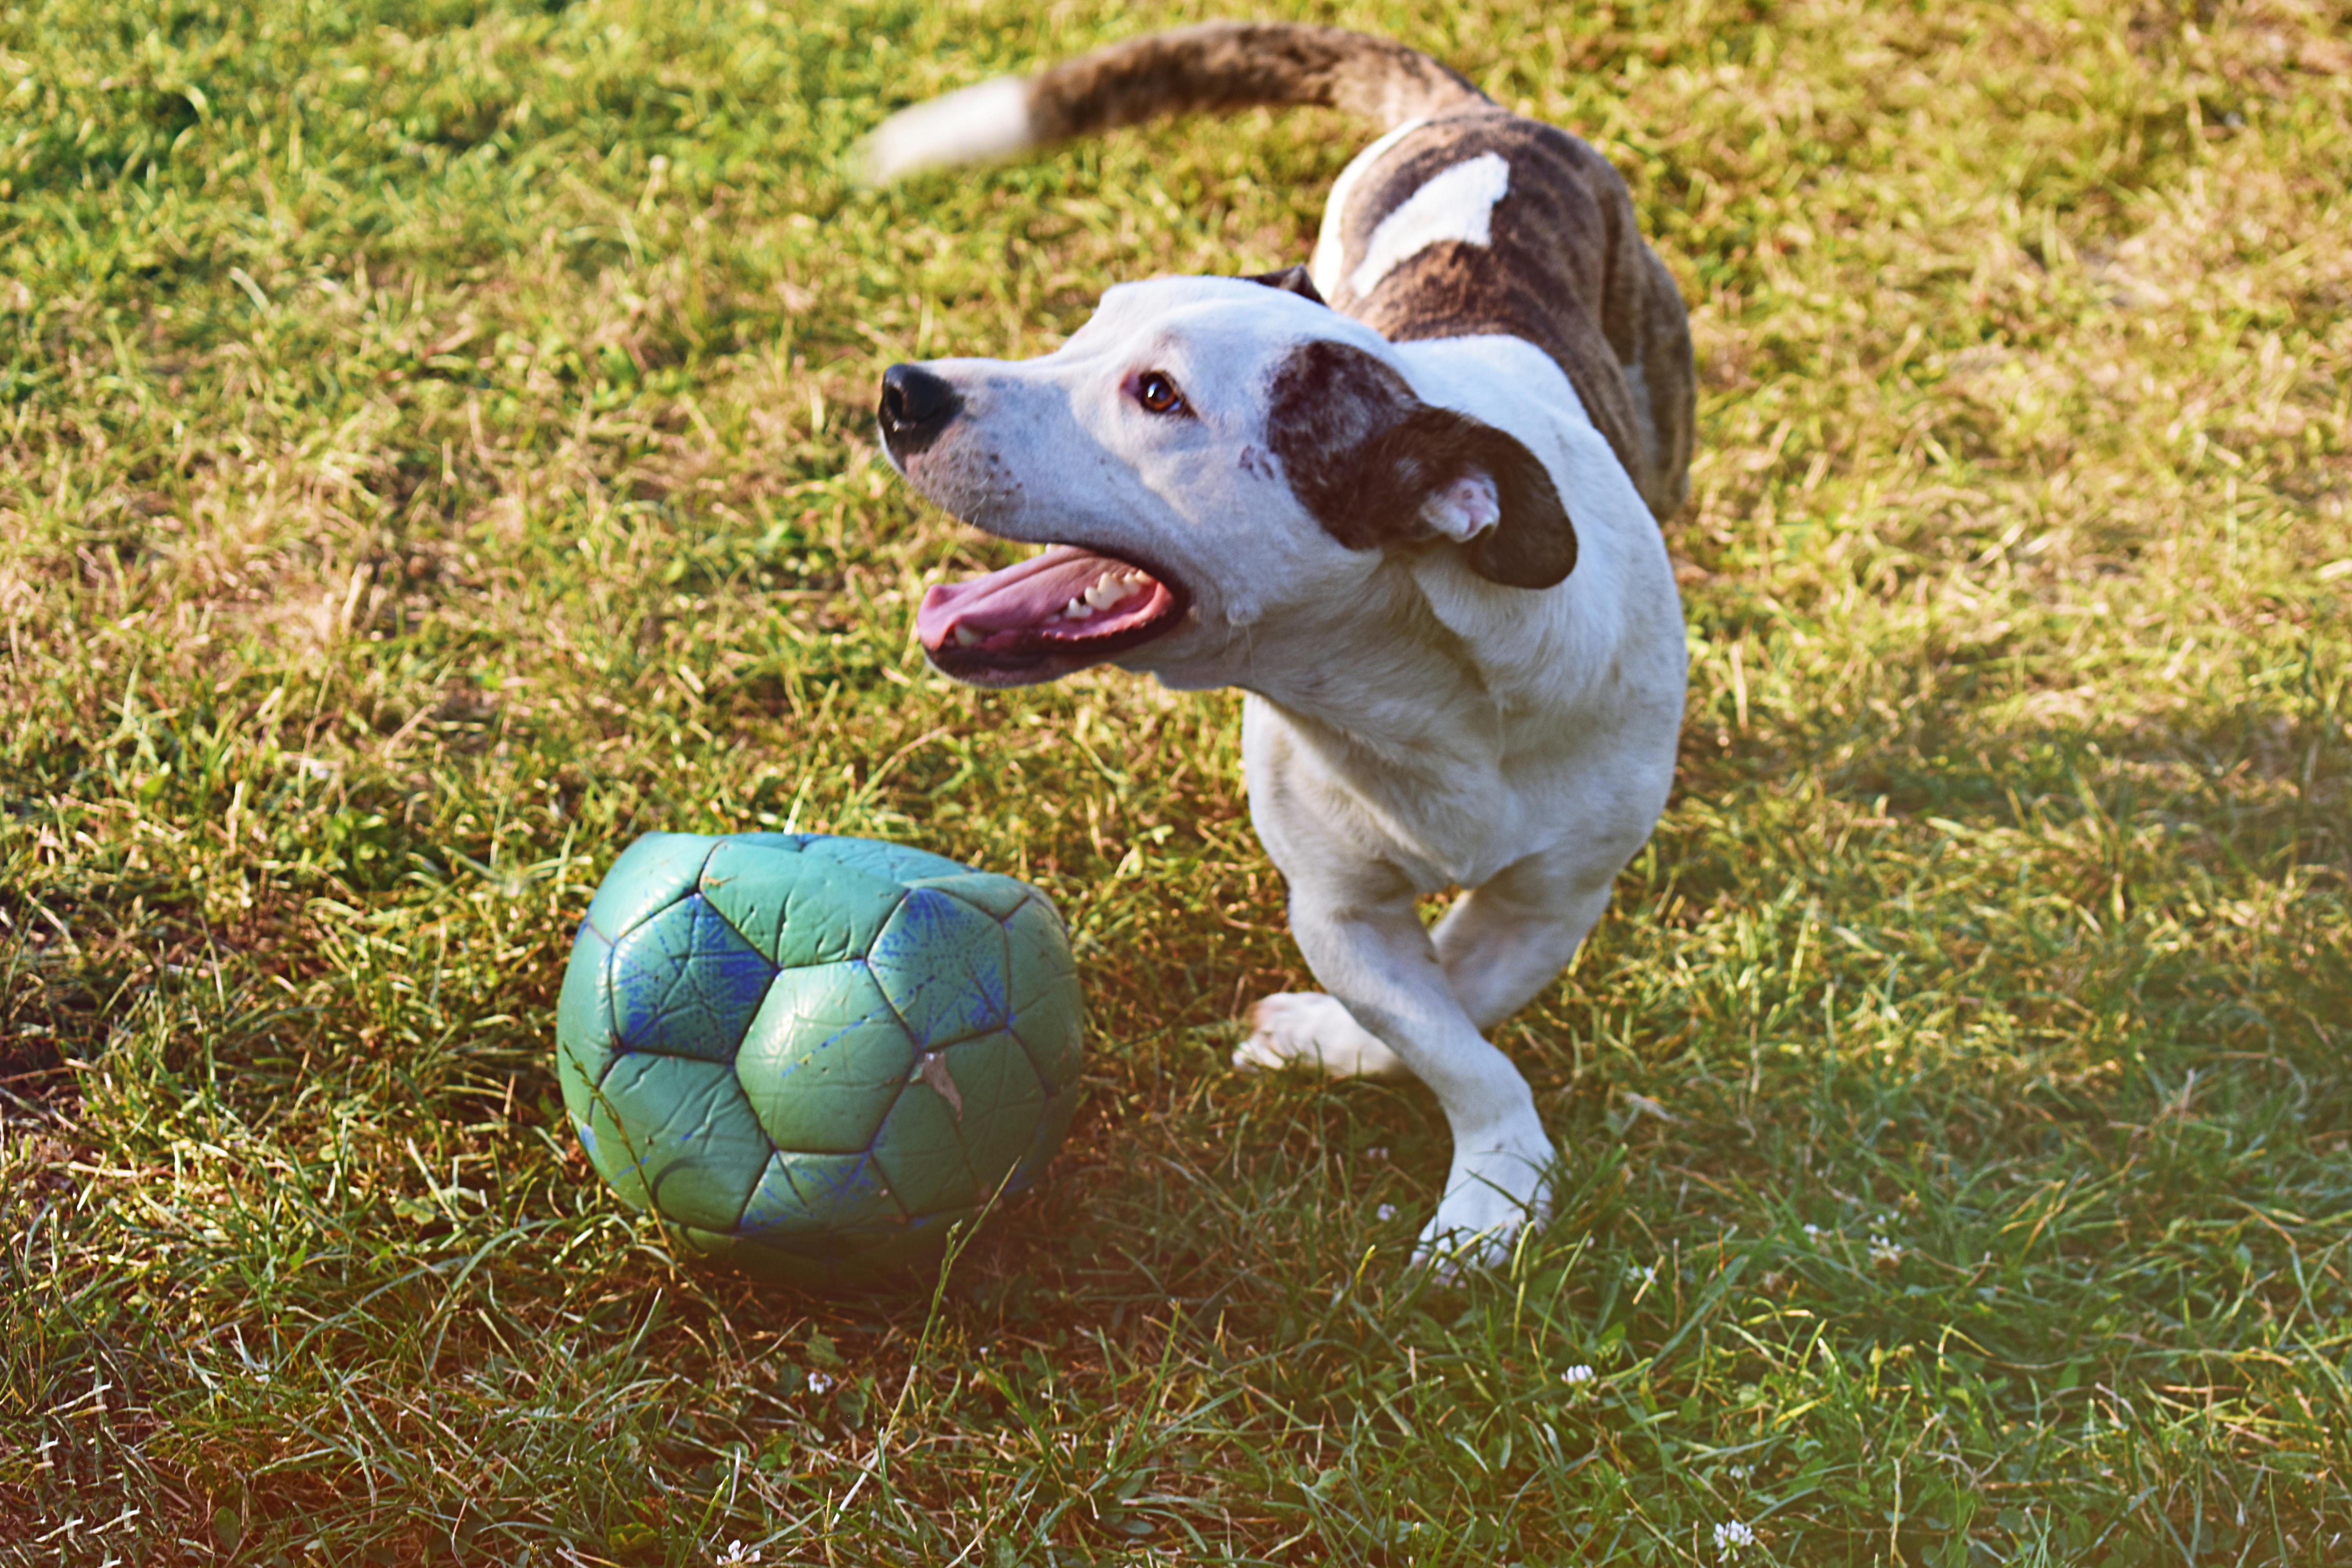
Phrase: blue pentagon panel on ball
(942,965)
(685,984)
(813,1056)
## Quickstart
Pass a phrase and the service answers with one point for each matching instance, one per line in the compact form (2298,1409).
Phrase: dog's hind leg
(1308,1028)
(1499,945)
(1502,943)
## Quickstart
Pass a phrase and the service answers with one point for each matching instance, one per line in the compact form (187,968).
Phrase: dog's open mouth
(1054,613)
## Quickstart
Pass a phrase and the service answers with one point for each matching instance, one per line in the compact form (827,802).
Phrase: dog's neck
(1387,676)
(1433,666)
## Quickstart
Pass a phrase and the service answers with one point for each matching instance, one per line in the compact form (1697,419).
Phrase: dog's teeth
(1111,590)
(965,637)
(1077,610)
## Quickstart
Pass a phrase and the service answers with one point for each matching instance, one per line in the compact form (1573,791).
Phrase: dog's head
(1204,455)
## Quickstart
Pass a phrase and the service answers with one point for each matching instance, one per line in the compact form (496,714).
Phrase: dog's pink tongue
(1018,599)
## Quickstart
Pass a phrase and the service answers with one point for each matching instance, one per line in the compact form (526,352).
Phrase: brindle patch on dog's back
(1564,268)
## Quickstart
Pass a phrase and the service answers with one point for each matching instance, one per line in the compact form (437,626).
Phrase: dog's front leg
(1364,940)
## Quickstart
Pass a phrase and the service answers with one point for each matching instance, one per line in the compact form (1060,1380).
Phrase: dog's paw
(1310,1029)
(1491,1195)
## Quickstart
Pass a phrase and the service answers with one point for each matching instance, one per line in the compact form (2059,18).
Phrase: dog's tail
(1217,66)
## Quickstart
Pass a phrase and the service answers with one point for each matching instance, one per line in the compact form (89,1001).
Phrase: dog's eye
(1158,393)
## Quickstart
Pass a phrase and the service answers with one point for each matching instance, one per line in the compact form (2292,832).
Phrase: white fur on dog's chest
(1442,821)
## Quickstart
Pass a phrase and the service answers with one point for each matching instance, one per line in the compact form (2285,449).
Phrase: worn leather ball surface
(812,1054)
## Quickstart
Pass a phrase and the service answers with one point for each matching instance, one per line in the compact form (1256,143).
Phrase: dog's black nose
(916,406)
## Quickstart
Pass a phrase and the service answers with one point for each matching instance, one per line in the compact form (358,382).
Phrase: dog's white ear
(1464,508)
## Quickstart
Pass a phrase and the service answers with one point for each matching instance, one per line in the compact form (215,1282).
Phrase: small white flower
(1813,1233)
(1386,1212)
(1884,1253)
(1637,1275)
(1731,1535)
(819,1383)
(1741,1472)
(1377,1152)
(735,1554)
(1577,1374)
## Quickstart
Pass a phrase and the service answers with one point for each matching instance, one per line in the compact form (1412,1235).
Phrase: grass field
(437,449)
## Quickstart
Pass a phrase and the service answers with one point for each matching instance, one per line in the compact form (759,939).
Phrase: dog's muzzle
(916,406)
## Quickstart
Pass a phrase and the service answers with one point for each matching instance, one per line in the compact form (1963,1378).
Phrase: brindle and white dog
(1414,523)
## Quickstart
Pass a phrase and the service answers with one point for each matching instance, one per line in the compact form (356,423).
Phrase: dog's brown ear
(1290,280)
(1377,467)
(1531,543)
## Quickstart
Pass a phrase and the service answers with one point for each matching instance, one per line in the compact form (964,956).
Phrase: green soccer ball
(812,1056)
